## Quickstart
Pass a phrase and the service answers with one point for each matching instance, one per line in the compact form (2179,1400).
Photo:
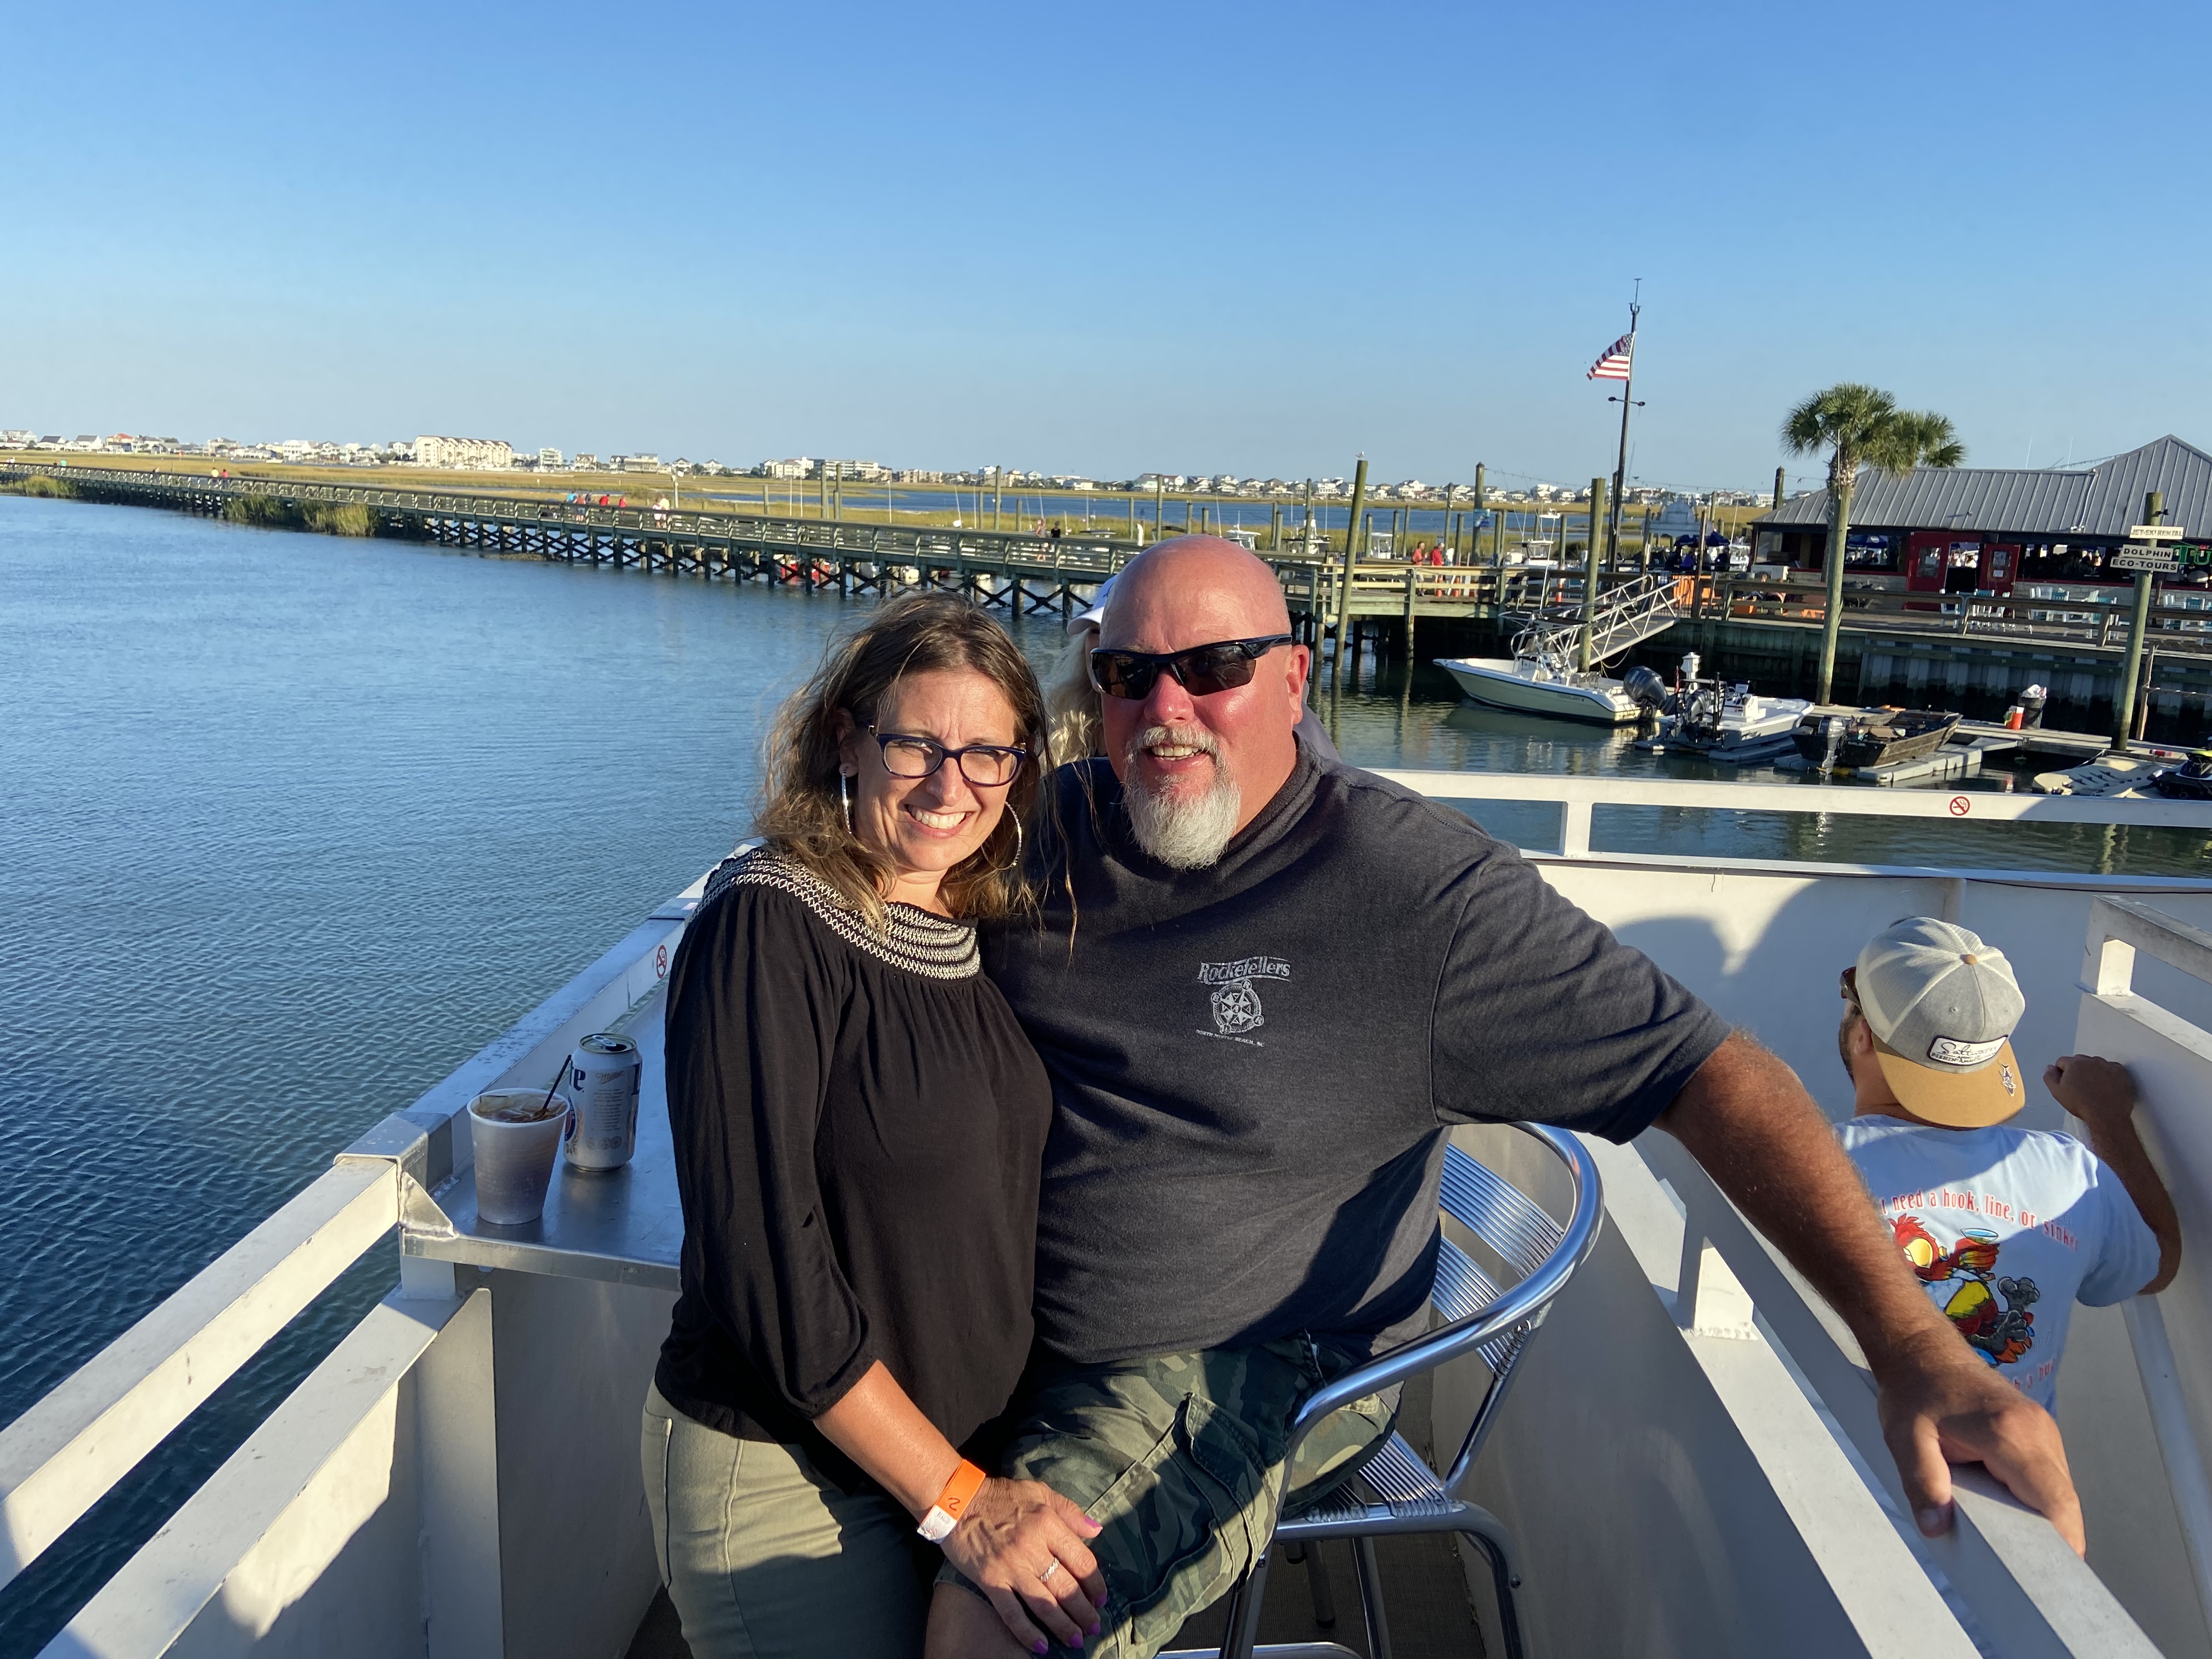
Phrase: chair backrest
(1513,1225)
(1480,1317)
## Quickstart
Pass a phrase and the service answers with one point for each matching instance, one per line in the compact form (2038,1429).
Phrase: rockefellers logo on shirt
(1235,1000)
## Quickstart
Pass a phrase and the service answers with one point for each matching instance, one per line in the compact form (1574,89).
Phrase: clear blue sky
(1106,239)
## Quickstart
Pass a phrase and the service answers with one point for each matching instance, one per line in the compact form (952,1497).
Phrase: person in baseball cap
(2008,1228)
(1941,1005)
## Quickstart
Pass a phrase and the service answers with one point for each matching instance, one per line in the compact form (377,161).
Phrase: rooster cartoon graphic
(1992,1313)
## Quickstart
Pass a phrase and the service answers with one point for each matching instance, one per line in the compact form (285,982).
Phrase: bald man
(1278,982)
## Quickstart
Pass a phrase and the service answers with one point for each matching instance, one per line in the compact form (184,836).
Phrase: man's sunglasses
(1202,671)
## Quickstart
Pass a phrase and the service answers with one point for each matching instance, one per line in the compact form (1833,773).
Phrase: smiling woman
(846,1090)
(902,769)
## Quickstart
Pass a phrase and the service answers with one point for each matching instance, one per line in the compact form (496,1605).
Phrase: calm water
(295,823)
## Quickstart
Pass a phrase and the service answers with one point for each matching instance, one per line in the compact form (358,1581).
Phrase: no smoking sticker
(1960,806)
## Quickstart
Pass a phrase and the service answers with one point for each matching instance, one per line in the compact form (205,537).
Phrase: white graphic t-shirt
(2008,1228)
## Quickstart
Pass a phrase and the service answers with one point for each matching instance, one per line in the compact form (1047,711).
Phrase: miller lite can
(602,1075)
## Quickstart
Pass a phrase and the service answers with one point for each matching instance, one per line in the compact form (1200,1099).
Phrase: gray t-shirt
(1253,1065)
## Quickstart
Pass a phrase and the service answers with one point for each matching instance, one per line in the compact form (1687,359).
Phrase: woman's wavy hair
(801,815)
(1071,702)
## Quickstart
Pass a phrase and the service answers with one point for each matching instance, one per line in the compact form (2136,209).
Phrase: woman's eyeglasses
(1202,671)
(988,764)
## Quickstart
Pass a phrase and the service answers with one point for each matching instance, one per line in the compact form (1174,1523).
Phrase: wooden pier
(1762,631)
(1019,573)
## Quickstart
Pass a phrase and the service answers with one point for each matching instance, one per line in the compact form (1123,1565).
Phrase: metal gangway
(1625,617)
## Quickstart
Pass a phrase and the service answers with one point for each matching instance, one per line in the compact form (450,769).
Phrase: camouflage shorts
(1180,1459)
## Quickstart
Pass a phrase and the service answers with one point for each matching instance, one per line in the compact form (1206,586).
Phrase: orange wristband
(952,1502)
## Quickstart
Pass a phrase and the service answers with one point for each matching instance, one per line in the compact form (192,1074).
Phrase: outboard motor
(1644,689)
(1832,734)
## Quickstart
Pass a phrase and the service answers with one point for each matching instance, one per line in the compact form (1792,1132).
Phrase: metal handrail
(1527,1302)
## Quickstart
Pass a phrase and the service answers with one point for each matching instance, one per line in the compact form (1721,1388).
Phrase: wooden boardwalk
(1755,629)
(1011,571)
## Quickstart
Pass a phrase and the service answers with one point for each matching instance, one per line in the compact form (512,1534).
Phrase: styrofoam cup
(514,1161)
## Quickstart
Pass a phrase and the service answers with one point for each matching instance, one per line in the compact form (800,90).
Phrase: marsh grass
(329,519)
(39,484)
(342,519)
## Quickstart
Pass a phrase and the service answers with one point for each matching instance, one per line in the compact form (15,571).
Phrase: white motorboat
(1723,722)
(1749,729)
(1531,686)
(1556,665)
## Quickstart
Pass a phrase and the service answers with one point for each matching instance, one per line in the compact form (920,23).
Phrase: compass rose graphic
(1237,1008)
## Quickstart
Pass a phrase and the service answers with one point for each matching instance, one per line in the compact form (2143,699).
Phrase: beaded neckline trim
(936,947)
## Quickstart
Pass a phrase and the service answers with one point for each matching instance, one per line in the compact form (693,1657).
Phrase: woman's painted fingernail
(1930,1522)
(1102,1596)
(1094,1629)
(1039,1648)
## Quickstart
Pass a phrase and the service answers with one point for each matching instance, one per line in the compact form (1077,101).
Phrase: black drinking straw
(546,1104)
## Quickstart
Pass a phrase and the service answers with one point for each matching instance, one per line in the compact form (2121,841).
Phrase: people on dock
(1265,985)
(2006,1227)
(857,1123)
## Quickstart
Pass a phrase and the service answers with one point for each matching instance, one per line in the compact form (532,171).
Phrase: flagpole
(1620,465)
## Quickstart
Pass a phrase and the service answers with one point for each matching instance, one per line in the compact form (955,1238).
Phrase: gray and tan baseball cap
(1942,1005)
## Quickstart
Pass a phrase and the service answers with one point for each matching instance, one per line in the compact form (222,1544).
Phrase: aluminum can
(602,1076)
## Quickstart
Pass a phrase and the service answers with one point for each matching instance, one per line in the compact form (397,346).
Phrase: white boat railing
(2024,1583)
(1578,795)
(68,1450)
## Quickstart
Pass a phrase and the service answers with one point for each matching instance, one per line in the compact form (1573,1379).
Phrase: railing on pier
(2180,619)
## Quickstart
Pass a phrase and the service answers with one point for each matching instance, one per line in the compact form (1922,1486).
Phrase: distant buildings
(464,454)
(491,454)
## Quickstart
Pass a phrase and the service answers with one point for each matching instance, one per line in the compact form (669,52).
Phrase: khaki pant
(766,1558)
(1180,1459)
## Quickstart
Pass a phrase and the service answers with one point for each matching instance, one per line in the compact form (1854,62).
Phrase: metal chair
(1394,1492)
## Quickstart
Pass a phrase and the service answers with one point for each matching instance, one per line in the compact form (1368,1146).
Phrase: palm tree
(1860,426)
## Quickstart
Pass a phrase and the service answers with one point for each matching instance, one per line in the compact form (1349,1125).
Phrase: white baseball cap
(1093,615)
(1942,1005)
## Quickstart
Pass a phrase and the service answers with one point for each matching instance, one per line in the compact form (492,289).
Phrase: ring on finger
(1045,1577)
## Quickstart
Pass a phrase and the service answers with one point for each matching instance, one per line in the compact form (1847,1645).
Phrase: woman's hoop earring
(845,795)
(1017,862)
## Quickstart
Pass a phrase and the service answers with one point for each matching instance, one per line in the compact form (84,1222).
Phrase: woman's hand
(1022,1544)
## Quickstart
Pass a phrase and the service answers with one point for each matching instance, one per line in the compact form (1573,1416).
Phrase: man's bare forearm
(2119,1145)
(1748,1121)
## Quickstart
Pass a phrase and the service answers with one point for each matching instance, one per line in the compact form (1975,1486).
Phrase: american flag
(1613,365)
